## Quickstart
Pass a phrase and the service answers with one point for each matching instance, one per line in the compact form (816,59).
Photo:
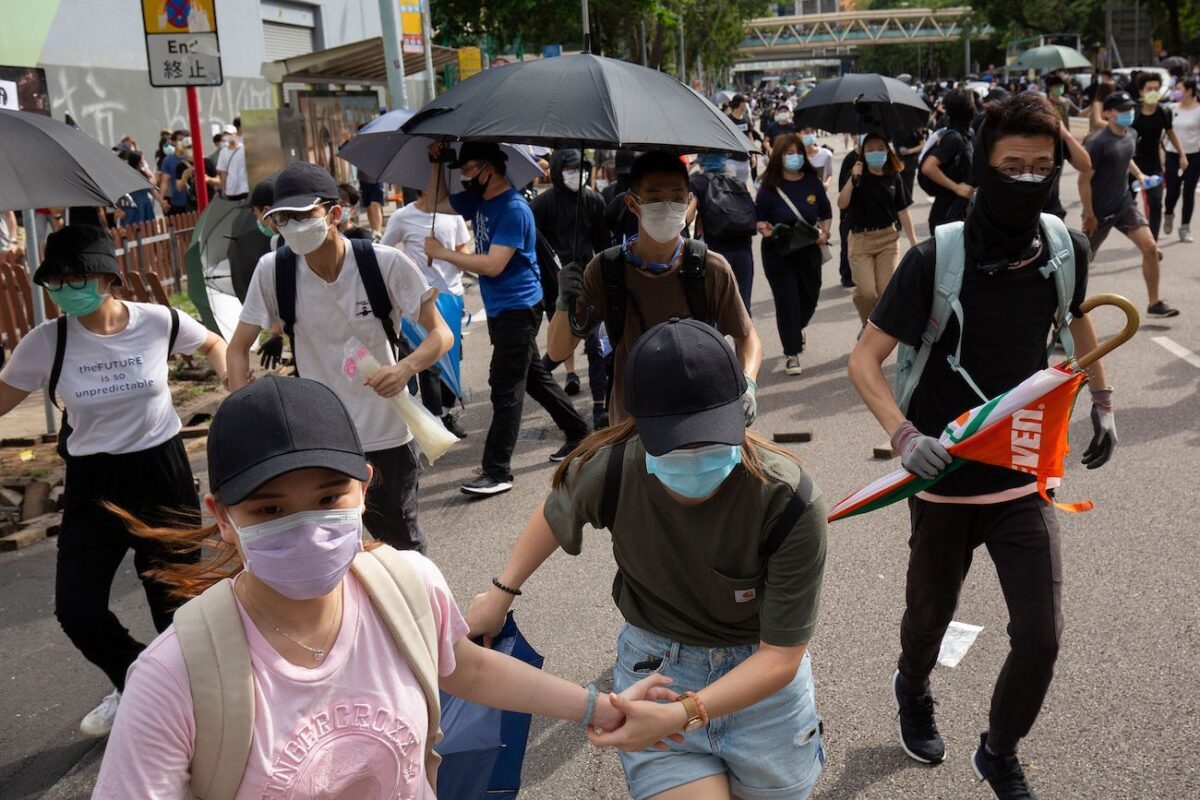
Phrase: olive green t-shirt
(697,574)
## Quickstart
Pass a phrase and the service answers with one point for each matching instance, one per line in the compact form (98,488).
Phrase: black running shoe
(451,423)
(572,386)
(1162,310)
(1002,773)
(561,453)
(484,486)
(918,732)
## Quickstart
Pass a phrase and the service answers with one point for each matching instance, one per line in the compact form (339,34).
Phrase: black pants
(1184,184)
(154,485)
(1022,538)
(844,250)
(1154,208)
(435,394)
(947,207)
(796,284)
(597,366)
(516,368)
(741,260)
(391,513)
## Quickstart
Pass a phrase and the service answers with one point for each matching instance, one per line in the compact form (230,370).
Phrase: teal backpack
(947,283)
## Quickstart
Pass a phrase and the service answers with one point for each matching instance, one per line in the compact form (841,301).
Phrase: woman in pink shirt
(337,710)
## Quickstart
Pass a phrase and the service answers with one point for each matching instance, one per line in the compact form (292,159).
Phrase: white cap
(230,129)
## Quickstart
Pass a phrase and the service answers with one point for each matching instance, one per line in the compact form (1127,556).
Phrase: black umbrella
(247,245)
(862,103)
(45,164)
(579,101)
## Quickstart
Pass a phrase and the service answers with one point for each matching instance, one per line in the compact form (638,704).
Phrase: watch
(697,718)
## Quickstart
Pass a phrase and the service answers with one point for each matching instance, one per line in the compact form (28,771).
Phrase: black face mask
(476,186)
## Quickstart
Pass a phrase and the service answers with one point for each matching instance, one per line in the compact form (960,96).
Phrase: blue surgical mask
(1125,118)
(793,162)
(876,158)
(695,472)
(809,139)
(168,149)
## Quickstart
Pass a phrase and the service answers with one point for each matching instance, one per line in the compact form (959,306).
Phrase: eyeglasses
(1013,169)
(284,217)
(73,281)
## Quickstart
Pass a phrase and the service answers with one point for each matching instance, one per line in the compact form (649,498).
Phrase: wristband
(514,592)
(751,385)
(591,705)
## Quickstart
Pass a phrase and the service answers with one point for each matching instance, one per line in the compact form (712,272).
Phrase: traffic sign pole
(200,174)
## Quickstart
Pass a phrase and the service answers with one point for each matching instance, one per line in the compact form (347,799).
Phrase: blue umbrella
(450,306)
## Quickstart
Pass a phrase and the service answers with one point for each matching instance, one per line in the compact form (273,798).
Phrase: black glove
(270,355)
(570,285)
(1104,430)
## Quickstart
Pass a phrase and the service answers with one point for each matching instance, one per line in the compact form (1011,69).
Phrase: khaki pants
(873,257)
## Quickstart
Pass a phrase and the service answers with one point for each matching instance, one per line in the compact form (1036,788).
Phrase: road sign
(182,47)
(470,62)
(411,27)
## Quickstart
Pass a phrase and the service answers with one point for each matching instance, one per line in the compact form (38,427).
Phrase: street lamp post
(390,23)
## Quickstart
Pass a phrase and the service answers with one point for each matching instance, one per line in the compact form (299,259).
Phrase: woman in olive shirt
(719,539)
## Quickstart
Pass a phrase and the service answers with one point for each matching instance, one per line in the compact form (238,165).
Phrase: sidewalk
(27,419)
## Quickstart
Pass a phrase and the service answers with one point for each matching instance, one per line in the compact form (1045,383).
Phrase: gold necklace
(318,653)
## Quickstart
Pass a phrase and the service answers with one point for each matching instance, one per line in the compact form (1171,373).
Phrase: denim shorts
(771,750)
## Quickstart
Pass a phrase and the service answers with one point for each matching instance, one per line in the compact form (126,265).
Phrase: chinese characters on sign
(182,47)
(470,62)
(412,35)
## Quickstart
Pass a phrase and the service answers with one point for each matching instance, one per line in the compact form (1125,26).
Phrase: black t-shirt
(953,152)
(698,184)
(877,200)
(906,139)
(1008,318)
(779,129)
(746,126)
(1150,129)
(619,220)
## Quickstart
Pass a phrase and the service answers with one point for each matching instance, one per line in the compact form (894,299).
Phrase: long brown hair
(779,146)
(752,445)
(893,166)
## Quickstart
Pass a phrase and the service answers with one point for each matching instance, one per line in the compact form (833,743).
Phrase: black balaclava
(1002,223)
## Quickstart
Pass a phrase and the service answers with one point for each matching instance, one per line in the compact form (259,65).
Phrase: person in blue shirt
(505,259)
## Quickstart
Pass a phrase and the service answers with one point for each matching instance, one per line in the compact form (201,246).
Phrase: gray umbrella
(579,101)
(45,163)
(1050,57)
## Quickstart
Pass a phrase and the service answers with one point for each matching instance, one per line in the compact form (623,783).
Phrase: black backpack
(728,208)
(957,171)
(549,265)
(614,472)
(60,351)
(368,272)
(691,272)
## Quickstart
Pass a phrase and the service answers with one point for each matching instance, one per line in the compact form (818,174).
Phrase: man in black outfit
(948,163)
(1152,123)
(1010,308)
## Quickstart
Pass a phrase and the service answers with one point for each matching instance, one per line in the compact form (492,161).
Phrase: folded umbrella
(1024,429)
(862,103)
(45,163)
(448,367)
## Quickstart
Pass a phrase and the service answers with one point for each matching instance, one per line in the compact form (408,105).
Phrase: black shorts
(371,192)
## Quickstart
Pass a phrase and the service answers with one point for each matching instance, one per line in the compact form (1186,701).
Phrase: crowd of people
(718,534)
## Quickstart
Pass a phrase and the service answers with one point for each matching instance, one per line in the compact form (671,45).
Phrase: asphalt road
(1123,716)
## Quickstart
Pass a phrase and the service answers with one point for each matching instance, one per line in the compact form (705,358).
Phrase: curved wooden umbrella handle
(1132,321)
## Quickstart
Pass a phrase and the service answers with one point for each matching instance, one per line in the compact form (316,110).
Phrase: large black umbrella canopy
(579,101)
(862,103)
(247,244)
(45,163)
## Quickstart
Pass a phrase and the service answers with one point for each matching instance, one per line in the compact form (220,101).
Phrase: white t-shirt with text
(328,315)
(114,387)
(406,230)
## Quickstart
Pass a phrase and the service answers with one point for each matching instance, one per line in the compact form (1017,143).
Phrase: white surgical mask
(601,184)
(571,179)
(1030,177)
(663,220)
(304,236)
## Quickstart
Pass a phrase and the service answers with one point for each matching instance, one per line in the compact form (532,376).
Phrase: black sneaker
(1002,773)
(918,732)
(561,453)
(847,283)
(1162,310)
(484,486)
(572,386)
(599,419)
(451,423)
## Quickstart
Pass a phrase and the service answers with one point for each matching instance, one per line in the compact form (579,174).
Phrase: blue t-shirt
(177,190)
(506,220)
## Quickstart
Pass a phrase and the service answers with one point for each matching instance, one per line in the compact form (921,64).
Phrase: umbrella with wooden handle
(1132,321)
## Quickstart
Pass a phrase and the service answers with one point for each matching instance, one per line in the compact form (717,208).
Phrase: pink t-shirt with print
(353,727)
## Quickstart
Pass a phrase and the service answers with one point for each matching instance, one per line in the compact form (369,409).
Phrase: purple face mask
(303,555)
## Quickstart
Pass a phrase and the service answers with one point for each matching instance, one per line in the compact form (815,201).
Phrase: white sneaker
(792,366)
(1185,233)
(99,720)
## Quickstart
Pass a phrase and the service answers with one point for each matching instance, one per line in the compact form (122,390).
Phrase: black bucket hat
(78,250)
(275,426)
(684,385)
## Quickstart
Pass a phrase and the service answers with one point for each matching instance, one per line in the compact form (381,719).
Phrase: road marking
(1173,347)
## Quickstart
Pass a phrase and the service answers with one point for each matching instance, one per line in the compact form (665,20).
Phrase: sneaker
(1185,233)
(561,453)
(484,485)
(792,365)
(599,419)
(376,237)
(847,283)
(451,423)
(1169,224)
(99,720)
(918,732)
(572,386)
(1002,773)
(1162,310)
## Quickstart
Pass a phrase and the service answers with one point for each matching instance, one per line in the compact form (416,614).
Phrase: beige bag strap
(398,594)
(779,191)
(210,633)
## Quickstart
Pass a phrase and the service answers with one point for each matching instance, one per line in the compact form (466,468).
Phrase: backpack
(60,351)
(728,208)
(368,272)
(210,633)
(959,168)
(691,272)
(947,284)
(614,473)
(549,265)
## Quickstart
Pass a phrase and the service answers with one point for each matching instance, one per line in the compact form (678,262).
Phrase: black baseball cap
(684,385)
(78,250)
(278,425)
(1121,101)
(303,186)
(263,194)
(479,151)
